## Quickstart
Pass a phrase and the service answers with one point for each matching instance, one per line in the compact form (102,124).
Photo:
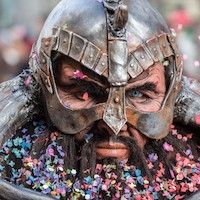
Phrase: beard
(152,172)
(67,169)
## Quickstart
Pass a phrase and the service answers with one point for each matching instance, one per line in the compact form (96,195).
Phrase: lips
(112,150)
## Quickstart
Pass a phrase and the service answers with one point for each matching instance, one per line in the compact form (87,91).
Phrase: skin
(145,99)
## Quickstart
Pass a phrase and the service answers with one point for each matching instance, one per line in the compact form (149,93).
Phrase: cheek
(149,105)
(139,138)
(71,101)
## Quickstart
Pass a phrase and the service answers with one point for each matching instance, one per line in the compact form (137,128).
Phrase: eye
(135,93)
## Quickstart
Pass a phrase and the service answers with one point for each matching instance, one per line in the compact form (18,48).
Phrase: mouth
(111,149)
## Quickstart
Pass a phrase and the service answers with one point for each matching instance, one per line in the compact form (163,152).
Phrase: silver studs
(166,63)
(77,47)
(43,61)
(155,50)
(116,100)
(142,56)
(91,56)
(173,40)
(103,64)
(46,43)
(132,65)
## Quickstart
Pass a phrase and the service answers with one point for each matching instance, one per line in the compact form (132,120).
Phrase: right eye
(135,93)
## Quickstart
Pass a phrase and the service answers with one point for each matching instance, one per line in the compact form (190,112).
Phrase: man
(92,119)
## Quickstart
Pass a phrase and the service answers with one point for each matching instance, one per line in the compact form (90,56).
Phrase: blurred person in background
(185,26)
(14,51)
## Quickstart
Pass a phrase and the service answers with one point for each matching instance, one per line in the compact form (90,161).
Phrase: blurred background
(22,20)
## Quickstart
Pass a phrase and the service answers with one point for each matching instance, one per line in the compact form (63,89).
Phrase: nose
(103,127)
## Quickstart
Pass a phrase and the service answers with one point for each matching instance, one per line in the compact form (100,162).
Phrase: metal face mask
(119,42)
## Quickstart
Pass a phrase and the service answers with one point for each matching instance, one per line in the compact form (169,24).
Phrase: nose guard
(115,112)
(117,16)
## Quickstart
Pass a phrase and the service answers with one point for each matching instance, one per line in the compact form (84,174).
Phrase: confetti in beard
(173,176)
(89,161)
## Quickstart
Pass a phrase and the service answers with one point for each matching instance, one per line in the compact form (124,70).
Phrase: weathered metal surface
(17,105)
(10,191)
(187,107)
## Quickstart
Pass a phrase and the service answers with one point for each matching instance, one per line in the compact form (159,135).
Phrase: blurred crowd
(16,42)
(15,45)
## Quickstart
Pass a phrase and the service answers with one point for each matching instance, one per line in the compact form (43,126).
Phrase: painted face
(79,88)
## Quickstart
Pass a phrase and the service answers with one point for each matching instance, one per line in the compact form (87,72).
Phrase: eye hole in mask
(78,93)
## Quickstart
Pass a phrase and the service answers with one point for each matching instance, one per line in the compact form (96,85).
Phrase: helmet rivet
(166,63)
(43,61)
(132,65)
(91,56)
(142,56)
(155,50)
(46,43)
(117,100)
(103,64)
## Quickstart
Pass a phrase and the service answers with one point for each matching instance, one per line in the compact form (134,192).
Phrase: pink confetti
(104,187)
(85,96)
(79,75)
(197,119)
(179,197)
(168,147)
(179,136)
(28,81)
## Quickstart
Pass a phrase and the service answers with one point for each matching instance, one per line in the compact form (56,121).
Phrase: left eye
(135,93)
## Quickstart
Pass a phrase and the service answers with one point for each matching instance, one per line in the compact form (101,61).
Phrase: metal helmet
(117,39)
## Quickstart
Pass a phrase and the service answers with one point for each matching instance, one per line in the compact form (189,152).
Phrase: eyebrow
(147,86)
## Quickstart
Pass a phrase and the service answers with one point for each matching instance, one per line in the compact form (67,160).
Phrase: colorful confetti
(48,175)
(79,75)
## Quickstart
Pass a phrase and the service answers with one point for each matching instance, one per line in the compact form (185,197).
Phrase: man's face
(79,88)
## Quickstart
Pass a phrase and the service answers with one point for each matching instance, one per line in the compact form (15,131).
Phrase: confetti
(79,75)
(85,96)
(197,119)
(167,147)
(48,175)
